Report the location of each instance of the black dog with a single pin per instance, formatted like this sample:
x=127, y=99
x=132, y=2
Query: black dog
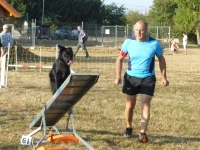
x=61, y=68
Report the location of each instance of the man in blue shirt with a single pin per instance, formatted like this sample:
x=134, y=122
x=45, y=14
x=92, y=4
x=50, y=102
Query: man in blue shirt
x=5, y=38
x=81, y=41
x=140, y=75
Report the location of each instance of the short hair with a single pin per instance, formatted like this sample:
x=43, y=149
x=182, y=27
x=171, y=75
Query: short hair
x=5, y=26
x=142, y=21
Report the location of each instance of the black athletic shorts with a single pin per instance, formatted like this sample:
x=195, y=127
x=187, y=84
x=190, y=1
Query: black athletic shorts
x=133, y=85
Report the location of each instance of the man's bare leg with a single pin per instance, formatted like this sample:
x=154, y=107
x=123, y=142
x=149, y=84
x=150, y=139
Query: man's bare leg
x=145, y=111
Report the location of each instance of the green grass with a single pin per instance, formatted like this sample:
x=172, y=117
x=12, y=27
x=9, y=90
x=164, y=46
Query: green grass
x=99, y=115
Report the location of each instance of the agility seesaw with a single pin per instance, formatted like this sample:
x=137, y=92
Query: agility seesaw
x=69, y=93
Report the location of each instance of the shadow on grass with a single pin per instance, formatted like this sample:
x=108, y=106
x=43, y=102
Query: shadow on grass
x=172, y=139
x=14, y=147
x=161, y=140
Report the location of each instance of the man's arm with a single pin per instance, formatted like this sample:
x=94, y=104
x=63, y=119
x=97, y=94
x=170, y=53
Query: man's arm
x=83, y=34
x=162, y=65
x=118, y=66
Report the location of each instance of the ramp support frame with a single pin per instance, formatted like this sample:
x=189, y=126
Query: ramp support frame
x=44, y=128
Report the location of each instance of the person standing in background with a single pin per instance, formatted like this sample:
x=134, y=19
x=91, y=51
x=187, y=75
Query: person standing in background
x=6, y=38
x=185, y=39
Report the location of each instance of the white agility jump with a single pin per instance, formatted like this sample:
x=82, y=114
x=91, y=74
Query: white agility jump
x=5, y=65
x=70, y=92
x=30, y=66
x=4, y=69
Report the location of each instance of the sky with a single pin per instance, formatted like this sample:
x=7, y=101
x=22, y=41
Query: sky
x=140, y=5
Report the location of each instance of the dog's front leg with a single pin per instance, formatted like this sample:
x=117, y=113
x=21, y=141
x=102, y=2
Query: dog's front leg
x=58, y=79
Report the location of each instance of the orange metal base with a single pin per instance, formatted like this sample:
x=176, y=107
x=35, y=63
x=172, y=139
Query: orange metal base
x=51, y=148
x=60, y=138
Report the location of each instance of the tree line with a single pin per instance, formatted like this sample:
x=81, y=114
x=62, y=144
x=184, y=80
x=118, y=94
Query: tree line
x=90, y=11
x=180, y=15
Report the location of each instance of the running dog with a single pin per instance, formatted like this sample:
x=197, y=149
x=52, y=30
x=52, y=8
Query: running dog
x=61, y=68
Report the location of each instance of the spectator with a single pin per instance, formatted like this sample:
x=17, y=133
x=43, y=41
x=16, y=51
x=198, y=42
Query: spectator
x=185, y=39
x=174, y=47
x=6, y=38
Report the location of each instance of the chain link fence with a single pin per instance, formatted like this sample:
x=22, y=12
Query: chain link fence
x=98, y=35
x=160, y=33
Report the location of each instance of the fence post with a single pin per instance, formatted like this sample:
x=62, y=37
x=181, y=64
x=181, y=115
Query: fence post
x=3, y=64
x=8, y=57
x=16, y=47
x=102, y=35
x=116, y=36
x=40, y=59
x=33, y=33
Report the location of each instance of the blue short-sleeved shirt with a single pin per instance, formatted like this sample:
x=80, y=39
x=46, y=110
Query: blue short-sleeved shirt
x=6, y=38
x=141, y=62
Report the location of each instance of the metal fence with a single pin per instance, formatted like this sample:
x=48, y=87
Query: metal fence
x=112, y=36
x=160, y=33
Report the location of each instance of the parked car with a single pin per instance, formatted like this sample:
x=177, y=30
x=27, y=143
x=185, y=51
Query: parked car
x=61, y=35
x=74, y=35
x=44, y=32
x=40, y=32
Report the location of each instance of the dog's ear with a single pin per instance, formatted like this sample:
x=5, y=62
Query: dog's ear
x=60, y=47
x=69, y=49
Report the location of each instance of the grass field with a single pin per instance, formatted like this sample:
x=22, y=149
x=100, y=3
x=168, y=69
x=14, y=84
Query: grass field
x=99, y=115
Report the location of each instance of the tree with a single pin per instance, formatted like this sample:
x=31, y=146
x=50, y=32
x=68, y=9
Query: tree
x=114, y=15
x=162, y=12
x=187, y=17
x=133, y=16
x=61, y=12
x=184, y=18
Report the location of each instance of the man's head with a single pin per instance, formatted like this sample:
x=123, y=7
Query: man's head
x=140, y=30
x=5, y=28
x=184, y=33
x=79, y=28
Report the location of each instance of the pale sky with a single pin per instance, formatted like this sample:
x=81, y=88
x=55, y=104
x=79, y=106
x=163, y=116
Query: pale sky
x=140, y=5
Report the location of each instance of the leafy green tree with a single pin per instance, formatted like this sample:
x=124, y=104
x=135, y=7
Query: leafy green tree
x=67, y=11
x=23, y=6
x=184, y=18
x=187, y=17
x=133, y=16
x=114, y=15
x=162, y=12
